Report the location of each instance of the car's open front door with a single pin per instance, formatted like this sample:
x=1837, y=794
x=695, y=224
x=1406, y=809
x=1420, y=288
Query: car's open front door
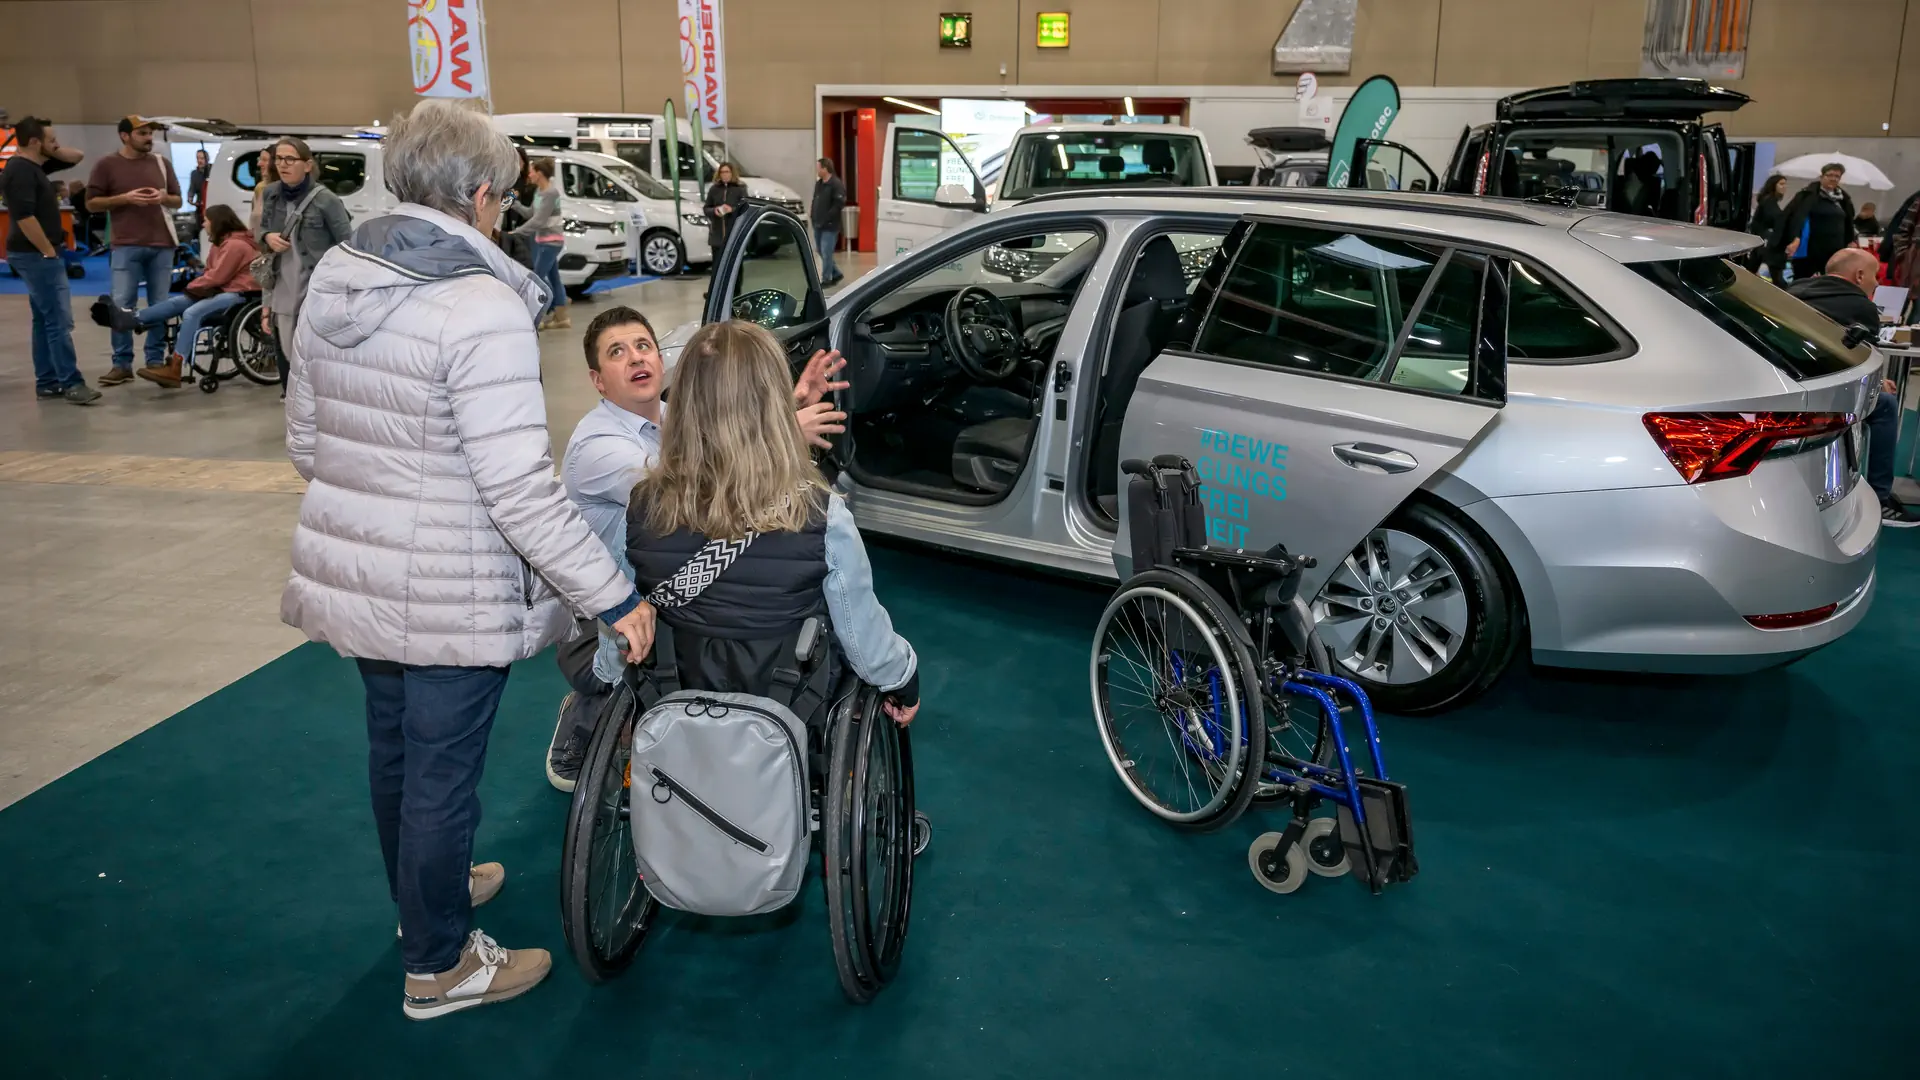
x=1314, y=399
x=928, y=187
x=1389, y=166
x=766, y=274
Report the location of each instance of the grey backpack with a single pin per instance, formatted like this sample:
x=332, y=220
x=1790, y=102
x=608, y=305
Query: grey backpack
x=724, y=827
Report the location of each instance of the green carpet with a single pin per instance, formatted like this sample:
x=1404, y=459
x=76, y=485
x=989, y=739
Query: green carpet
x=1620, y=877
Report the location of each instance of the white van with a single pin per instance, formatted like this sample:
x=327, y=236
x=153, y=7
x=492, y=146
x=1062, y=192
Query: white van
x=353, y=167
x=932, y=187
x=639, y=140
x=659, y=242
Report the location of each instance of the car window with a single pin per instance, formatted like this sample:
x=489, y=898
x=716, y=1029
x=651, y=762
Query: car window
x=1316, y=300
x=1769, y=320
x=341, y=173
x=1061, y=160
x=1544, y=322
x=1019, y=258
x=923, y=162
x=583, y=182
x=641, y=182
x=1632, y=172
x=1438, y=353
x=244, y=176
x=773, y=283
x=637, y=154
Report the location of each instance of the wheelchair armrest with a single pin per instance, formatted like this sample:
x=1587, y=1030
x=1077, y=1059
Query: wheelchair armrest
x=807, y=645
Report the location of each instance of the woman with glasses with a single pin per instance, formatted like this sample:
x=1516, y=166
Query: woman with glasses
x=300, y=221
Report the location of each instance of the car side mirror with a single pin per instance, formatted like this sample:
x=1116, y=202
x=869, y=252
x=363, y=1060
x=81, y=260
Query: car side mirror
x=959, y=197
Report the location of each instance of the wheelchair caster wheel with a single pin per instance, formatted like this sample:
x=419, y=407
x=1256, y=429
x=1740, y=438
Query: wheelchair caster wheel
x=1326, y=855
x=208, y=384
x=1275, y=870
x=922, y=833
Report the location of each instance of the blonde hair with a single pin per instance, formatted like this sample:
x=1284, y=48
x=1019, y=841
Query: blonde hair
x=732, y=459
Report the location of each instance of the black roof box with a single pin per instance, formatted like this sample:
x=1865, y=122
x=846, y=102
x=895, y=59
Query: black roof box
x=1624, y=99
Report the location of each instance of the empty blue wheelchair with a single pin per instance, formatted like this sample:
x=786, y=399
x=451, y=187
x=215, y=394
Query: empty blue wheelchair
x=1212, y=694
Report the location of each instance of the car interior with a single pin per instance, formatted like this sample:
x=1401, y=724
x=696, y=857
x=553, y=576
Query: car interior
x=949, y=373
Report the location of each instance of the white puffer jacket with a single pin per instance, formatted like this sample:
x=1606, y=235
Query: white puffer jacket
x=433, y=530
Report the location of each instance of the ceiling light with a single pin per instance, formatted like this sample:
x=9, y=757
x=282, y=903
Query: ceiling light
x=911, y=105
x=1129, y=101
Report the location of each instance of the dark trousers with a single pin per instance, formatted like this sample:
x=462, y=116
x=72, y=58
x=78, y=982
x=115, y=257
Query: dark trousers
x=1883, y=434
x=576, y=666
x=427, y=731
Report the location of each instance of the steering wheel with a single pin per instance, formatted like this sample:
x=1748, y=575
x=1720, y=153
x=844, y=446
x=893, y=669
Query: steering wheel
x=986, y=343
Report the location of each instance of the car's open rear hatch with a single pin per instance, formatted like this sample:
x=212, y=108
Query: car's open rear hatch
x=1629, y=239
x=1621, y=99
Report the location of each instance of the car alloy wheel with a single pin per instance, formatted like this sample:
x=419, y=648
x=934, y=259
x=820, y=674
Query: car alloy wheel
x=1394, y=612
x=660, y=254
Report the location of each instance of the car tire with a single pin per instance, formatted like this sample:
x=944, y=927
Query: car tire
x=661, y=254
x=1490, y=632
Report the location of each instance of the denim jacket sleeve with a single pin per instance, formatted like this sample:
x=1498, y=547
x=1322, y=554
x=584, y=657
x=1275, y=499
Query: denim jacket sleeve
x=865, y=632
x=607, y=665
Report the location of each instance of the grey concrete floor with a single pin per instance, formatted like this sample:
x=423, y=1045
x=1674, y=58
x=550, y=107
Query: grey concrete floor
x=134, y=586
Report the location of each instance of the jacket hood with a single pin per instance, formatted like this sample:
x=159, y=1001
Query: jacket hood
x=361, y=282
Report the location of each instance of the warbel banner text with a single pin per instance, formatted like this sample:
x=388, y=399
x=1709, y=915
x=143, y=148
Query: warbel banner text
x=447, y=42
x=703, y=61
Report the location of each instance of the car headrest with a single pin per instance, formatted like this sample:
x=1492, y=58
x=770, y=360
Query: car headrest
x=1156, y=276
x=1157, y=154
x=1112, y=163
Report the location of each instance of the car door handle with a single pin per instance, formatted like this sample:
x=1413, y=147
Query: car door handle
x=1365, y=456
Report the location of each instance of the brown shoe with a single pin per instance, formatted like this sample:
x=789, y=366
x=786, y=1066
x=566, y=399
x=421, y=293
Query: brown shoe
x=167, y=374
x=485, y=973
x=562, y=318
x=114, y=377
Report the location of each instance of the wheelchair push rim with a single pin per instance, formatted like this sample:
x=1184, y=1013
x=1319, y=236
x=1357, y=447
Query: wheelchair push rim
x=605, y=908
x=253, y=351
x=867, y=851
x=1170, y=687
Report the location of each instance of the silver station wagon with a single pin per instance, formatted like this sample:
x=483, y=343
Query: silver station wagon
x=1497, y=425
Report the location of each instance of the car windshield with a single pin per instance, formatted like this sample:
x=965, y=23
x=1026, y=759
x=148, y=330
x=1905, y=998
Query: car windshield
x=717, y=153
x=1792, y=336
x=641, y=182
x=1060, y=160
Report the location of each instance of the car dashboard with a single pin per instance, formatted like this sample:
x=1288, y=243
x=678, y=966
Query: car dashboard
x=900, y=351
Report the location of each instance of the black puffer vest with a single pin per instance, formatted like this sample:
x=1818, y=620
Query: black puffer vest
x=734, y=633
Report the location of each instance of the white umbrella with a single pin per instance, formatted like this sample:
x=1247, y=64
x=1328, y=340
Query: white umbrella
x=1860, y=171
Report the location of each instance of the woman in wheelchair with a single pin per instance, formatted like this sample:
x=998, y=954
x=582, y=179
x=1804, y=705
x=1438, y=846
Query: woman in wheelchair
x=226, y=283
x=742, y=550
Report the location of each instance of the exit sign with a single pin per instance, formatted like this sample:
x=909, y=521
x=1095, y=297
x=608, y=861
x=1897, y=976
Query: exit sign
x=956, y=29
x=1052, y=30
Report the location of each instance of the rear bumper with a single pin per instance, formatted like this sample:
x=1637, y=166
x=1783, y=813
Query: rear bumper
x=1662, y=579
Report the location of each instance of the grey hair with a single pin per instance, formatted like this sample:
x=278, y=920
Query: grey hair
x=441, y=153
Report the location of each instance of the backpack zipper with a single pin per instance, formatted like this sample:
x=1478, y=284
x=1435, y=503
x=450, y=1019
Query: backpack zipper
x=739, y=835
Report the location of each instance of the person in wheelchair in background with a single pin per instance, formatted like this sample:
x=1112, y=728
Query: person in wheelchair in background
x=225, y=284
x=734, y=465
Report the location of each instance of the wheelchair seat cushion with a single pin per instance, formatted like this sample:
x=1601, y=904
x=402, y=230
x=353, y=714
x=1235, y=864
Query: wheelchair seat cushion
x=987, y=457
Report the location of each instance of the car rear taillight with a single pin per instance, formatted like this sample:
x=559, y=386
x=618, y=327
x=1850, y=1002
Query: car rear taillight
x=1480, y=174
x=1794, y=619
x=1716, y=446
x=1700, y=211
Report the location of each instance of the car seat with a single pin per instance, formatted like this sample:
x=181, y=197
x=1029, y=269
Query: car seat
x=1157, y=155
x=1149, y=315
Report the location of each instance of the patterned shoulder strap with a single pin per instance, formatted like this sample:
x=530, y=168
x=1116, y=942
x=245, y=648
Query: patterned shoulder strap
x=692, y=579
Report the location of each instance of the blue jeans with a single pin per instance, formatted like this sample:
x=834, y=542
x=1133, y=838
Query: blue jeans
x=193, y=314
x=55, y=366
x=546, y=267
x=427, y=731
x=133, y=266
x=1883, y=436
x=824, y=241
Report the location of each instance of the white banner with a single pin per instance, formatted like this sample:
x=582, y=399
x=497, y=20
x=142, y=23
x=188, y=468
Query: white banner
x=448, y=44
x=702, y=62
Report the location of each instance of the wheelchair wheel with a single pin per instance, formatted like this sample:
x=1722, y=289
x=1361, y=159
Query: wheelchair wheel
x=1176, y=695
x=605, y=911
x=252, y=350
x=867, y=859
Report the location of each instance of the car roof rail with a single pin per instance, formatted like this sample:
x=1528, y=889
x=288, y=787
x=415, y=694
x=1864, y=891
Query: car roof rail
x=1455, y=205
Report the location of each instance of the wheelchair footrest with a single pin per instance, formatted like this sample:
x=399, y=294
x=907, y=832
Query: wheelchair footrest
x=1385, y=855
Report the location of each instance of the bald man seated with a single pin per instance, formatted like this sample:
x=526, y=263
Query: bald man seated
x=1845, y=294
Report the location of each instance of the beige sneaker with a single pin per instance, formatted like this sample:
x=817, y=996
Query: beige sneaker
x=483, y=884
x=485, y=974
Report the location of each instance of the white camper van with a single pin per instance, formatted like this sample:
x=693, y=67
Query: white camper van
x=639, y=139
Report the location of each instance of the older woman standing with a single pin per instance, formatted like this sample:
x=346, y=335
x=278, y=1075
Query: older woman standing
x=435, y=546
x=300, y=220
